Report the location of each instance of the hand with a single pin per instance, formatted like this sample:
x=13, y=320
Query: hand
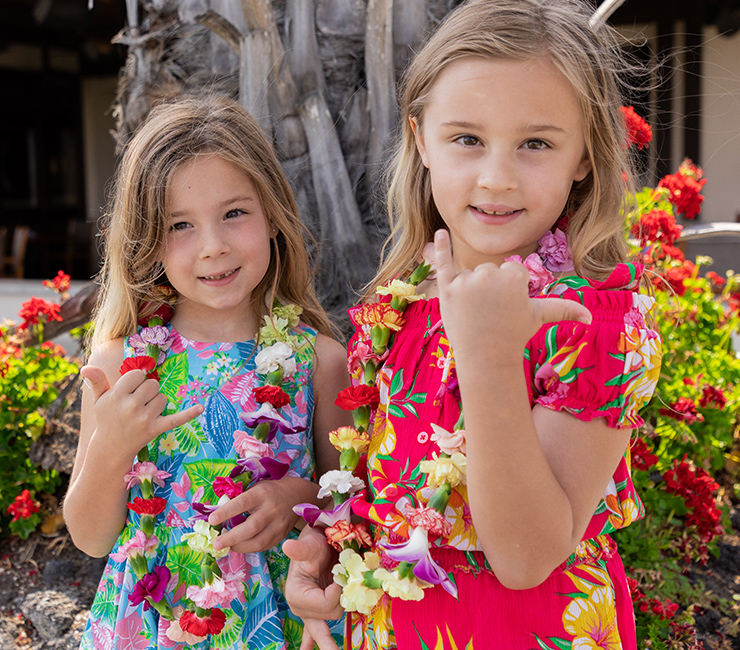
x=271, y=517
x=489, y=307
x=310, y=588
x=130, y=412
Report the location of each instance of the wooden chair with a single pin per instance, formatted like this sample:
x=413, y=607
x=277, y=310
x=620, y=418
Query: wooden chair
x=17, y=255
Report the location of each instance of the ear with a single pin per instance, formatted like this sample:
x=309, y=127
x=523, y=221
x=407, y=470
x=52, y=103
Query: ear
x=583, y=169
x=419, y=138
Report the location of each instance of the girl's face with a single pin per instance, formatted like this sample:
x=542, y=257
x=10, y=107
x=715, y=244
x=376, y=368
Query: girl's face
x=217, y=247
x=503, y=142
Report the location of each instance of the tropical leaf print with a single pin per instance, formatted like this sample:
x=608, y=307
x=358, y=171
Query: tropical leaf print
x=557, y=643
x=183, y=560
x=128, y=633
x=293, y=632
x=221, y=420
x=173, y=373
x=230, y=633
x=440, y=642
x=400, y=408
x=265, y=627
x=202, y=473
x=105, y=606
x=190, y=437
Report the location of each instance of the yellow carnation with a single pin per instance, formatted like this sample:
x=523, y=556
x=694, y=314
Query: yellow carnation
x=445, y=469
x=396, y=587
x=401, y=290
x=350, y=438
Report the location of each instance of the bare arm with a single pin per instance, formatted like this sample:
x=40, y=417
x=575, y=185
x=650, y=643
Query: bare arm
x=535, y=476
x=119, y=416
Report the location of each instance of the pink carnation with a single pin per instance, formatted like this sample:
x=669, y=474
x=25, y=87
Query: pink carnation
x=139, y=544
x=217, y=594
x=539, y=276
x=145, y=471
x=555, y=252
x=449, y=441
x=429, y=519
x=247, y=445
x=225, y=485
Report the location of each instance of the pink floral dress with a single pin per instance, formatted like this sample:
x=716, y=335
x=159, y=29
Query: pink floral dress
x=606, y=369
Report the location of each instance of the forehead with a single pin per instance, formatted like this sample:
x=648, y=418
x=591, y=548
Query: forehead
x=532, y=89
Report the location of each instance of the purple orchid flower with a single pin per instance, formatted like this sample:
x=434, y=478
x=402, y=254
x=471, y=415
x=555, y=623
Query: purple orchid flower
x=267, y=414
x=203, y=510
x=313, y=514
x=261, y=468
x=416, y=551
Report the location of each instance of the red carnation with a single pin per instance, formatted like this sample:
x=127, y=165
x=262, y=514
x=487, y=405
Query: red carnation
x=152, y=506
x=275, y=395
x=356, y=396
x=639, y=132
x=213, y=623
x=147, y=364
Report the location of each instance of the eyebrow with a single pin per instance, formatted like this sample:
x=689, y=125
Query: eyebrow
x=530, y=128
x=223, y=204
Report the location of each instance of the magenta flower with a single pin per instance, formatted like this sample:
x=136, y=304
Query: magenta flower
x=313, y=514
x=146, y=471
x=539, y=276
x=260, y=468
x=416, y=552
x=224, y=485
x=267, y=414
x=203, y=511
x=554, y=251
x=152, y=585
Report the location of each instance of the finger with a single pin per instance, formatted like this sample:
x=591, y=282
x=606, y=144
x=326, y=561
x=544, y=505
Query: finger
x=96, y=379
x=443, y=257
x=298, y=550
x=318, y=632
x=245, y=502
x=167, y=422
x=551, y=310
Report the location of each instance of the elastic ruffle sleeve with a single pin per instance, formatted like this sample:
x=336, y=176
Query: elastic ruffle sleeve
x=608, y=368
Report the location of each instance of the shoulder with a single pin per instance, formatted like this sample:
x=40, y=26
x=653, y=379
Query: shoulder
x=108, y=356
x=329, y=353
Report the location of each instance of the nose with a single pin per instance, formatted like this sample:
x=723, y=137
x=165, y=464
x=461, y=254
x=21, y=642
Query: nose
x=498, y=172
x=213, y=242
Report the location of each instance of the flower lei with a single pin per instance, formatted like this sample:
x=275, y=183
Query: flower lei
x=366, y=578
x=202, y=613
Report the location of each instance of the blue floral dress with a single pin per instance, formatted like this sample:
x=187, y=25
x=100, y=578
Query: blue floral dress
x=222, y=377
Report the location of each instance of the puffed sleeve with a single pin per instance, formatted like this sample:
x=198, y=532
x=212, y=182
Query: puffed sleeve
x=608, y=368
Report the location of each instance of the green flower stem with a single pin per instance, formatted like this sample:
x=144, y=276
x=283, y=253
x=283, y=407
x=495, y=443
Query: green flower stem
x=379, y=337
x=460, y=424
x=202, y=613
x=275, y=378
x=138, y=565
x=147, y=489
x=152, y=351
x=361, y=417
x=143, y=455
x=245, y=478
x=406, y=570
x=154, y=321
x=339, y=498
x=147, y=524
x=440, y=498
x=206, y=570
x=370, y=371
x=261, y=431
x=348, y=459
x=163, y=608
x=370, y=581
x=399, y=304
x=420, y=273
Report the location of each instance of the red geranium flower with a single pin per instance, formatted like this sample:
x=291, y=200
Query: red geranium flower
x=712, y=396
x=152, y=506
x=684, y=189
x=639, y=132
x=683, y=409
x=23, y=506
x=213, y=622
x=147, y=364
x=60, y=283
x=657, y=225
x=356, y=396
x=37, y=310
x=275, y=395
x=642, y=458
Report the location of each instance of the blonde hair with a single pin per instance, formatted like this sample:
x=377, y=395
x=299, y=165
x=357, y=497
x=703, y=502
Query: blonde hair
x=174, y=133
x=590, y=58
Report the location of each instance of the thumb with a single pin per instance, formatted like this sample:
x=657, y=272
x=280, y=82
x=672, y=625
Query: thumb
x=298, y=550
x=96, y=380
x=550, y=311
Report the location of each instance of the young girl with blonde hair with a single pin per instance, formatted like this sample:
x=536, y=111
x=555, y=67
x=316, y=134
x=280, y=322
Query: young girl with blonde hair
x=199, y=427
x=512, y=160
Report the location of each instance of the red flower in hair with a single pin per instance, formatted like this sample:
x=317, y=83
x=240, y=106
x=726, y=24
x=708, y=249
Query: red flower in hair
x=212, y=623
x=356, y=396
x=275, y=395
x=147, y=364
x=639, y=132
x=152, y=506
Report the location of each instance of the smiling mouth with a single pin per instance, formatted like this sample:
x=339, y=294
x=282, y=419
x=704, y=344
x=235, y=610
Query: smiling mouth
x=495, y=213
x=218, y=277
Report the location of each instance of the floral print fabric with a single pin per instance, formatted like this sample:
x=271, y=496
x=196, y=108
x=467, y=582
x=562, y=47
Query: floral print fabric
x=607, y=369
x=222, y=377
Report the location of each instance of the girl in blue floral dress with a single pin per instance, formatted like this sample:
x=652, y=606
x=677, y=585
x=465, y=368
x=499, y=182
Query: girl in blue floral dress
x=203, y=426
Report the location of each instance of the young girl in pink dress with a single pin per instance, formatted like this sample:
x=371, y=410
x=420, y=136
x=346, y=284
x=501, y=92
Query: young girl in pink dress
x=512, y=160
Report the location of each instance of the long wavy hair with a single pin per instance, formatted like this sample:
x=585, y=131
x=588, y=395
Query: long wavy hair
x=135, y=227
x=518, y=30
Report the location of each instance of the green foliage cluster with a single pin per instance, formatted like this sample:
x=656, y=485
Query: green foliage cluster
x=29, y=371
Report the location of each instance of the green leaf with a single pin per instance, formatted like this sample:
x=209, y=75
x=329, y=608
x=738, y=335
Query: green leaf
x=184, y=561
x=202, y=473
x=173, y=374
x=230, y=632
x=396, y=411
x=397, y=382
x=190, y=436
x=411, y=409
